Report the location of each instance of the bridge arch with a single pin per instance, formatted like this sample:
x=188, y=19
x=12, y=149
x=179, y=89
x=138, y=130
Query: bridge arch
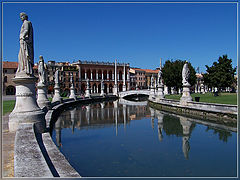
x=133, y=92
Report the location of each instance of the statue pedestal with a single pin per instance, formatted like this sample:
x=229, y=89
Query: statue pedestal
x=160, y=94
x=115, y=90
x=124, y=88
x=72, y=93
x=185, y=95
x=152, y=94
x=42, y=99
x=26, y=109
x=87, y=94
x=102, y=92
x=57, y=96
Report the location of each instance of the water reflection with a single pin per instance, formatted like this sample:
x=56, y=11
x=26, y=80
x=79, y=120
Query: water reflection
x=179, y=126
x=116, y=113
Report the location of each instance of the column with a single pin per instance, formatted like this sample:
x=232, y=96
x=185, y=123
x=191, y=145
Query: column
x=107, y=75
x=97, y=74
x=128, y=80
x=79, y=79
x=115, y=91
x=85, y=75
x=124, y=79
x=91, y=75
x=102, y=74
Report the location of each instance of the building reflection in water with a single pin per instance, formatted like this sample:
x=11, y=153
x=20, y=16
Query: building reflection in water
x=119, y=113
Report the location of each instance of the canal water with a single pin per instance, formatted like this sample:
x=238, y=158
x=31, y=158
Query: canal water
x=128, y=139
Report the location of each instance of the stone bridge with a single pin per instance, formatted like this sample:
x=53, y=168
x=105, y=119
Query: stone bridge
x=134, y=92
x=132, y=103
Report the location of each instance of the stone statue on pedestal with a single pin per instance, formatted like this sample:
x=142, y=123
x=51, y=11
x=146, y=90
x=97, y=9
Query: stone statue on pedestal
x=42, y=71
x=160, y=77
x=57, y=97
x=152, y=82
x=72, y=89
x=56, y=75
x=185, y=74
x=26, y=109
x=26, y=52
x=42, y=99
x=186, y=97
x=102, y=89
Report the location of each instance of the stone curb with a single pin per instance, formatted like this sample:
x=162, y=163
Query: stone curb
x=28, y=158
x=218, y=113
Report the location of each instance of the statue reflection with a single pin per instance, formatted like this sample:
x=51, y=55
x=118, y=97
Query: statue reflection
x=186, y=125
x=88, y=114
x=72, y=115
x=160, y=124
x=152, y=116
x=102, y=110
x=58, y=129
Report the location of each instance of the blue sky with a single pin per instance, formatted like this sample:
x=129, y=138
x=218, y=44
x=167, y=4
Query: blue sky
x=138, y=33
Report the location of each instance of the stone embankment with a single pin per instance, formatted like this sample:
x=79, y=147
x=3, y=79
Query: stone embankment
x=217, y=113
x=35, y=154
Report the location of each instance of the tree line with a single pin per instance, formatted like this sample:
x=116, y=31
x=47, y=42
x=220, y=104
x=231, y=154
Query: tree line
x=220, y=75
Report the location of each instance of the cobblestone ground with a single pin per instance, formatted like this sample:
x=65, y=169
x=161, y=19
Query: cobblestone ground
x=7, y=149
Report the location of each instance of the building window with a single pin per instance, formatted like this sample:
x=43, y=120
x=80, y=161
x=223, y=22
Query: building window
x=5, y=79
x=5, y=70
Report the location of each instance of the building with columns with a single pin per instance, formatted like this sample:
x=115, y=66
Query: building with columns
x=110, y=73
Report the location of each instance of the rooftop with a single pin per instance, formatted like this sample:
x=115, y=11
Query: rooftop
x=9, y=65
x=100, y=63
x=13, y=65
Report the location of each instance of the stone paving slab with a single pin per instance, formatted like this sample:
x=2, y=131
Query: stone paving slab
x=8, y=139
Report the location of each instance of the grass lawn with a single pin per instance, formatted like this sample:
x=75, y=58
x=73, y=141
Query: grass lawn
x=223, y=98
x=8, y=106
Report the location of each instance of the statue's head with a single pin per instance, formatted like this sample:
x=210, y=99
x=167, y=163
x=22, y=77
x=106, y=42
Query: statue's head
x=41, y=59
x=23, y=16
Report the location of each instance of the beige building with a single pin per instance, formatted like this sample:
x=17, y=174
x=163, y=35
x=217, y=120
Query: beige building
x=8, y=73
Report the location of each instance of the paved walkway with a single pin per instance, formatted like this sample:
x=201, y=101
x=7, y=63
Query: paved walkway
x=7, y=148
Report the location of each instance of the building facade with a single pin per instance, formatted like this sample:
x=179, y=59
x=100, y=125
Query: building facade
x=141, y=78
x=81, y=71
x=8, y=73
x=102, y=71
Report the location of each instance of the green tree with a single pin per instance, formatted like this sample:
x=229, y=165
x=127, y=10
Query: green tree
x=220, y=74
x=172, y=73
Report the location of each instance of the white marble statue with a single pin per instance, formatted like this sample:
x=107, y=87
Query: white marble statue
x=71, y=79
x=160, y=76
x=42, y=71
x=26, y=52
x=185, y=74
x=152, y=82
x=57, y=76
x=88, y=84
